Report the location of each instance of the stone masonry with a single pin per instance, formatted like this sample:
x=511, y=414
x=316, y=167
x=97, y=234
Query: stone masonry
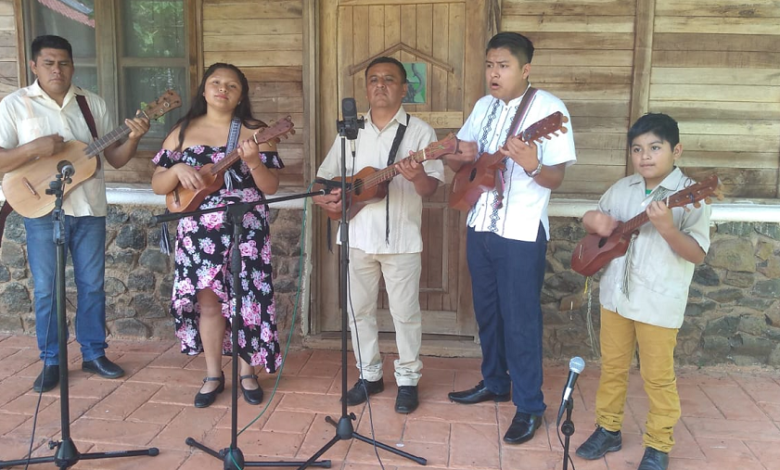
x=733, y=314
x=139, y=277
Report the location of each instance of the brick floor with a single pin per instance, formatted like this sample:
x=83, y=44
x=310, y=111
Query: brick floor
x=731, y=416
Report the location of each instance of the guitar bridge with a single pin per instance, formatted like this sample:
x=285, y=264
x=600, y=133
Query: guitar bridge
x=31, y=188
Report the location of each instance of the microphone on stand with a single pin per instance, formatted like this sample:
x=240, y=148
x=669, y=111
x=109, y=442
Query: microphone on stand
x=351, y=123
x=576, y=366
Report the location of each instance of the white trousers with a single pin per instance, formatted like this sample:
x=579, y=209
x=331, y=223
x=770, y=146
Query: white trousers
x=402, y=280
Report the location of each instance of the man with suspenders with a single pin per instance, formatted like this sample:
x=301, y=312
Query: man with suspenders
x=384, y=237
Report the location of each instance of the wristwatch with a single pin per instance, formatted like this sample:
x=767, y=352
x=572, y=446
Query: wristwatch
x=536, y=171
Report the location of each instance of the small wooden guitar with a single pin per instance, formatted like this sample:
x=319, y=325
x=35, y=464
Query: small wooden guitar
x=473, y=179
x=25, y=187
x=182, y=199
x=594, y=251
x=370, y=185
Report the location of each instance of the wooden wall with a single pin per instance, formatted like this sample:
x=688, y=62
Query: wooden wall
x=265, y=40
x=712, y=65
x=9, y=68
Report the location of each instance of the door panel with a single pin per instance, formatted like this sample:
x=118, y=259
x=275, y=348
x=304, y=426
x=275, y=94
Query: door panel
x=433, y=35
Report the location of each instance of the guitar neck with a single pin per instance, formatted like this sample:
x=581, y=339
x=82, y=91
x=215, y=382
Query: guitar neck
x=98, y=145
x=386, y=174
x=226, y=162
x=633, y=224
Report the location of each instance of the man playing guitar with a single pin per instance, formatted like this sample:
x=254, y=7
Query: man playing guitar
x=385, y=236
x=35, y=122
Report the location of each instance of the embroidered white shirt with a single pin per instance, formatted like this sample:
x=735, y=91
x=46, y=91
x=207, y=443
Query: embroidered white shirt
x=524, y=202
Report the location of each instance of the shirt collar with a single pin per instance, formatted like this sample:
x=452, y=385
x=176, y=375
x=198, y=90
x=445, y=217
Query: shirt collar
x=35, y=90
x=671, y=182
x=516, y=101
x=400, y=118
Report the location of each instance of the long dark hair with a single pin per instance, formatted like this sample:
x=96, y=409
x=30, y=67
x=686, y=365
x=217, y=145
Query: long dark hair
x=199, y=106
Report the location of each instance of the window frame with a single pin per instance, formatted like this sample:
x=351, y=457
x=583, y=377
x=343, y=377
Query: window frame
x=109, y=59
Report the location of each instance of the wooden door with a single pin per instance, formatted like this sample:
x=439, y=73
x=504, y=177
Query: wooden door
x=443, y=43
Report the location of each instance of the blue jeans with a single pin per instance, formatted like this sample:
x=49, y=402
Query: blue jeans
x=85, y=237
x=506, y=281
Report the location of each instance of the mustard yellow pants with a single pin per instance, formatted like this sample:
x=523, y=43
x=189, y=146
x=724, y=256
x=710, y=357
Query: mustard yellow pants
x=619, y=337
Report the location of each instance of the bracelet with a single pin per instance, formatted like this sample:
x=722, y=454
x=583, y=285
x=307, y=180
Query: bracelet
x=255, y=168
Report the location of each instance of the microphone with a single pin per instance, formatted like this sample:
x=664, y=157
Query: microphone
x=351, y=123
x=576, y=365
x=66, y=169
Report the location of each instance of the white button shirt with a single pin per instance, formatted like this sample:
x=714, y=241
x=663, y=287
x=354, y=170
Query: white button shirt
x=367, y=228
x=659, y=278
x=525, y=202
x=29, y=113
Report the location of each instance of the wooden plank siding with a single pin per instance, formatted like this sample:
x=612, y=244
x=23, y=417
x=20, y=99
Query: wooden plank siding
x=584, y=54
x=712, y=65
x=265, y=40
x=9, y=66
x=716, y=67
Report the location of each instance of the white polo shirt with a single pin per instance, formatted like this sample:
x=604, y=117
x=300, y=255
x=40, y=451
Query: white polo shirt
x=367, y=228
x=525, y=202
x=29, y=113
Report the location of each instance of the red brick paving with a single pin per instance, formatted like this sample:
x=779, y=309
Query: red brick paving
x=731, y=417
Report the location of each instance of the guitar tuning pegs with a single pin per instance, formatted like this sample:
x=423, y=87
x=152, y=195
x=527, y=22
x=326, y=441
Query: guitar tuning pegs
x=292, y=131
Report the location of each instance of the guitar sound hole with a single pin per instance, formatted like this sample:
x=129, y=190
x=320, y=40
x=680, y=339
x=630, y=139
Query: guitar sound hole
x=358, y=187
x=602, y=242
x=473, y=174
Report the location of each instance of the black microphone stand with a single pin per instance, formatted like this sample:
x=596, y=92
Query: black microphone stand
x=66, y=455
x=232, y=457
x=344, y=430
x=567, y=428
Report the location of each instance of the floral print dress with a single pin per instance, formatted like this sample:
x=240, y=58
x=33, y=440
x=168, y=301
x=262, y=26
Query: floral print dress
x=202, y=255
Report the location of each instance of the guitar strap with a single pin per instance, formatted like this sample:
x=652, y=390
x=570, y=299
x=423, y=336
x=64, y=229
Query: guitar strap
x=520, y=114
x=82, y=101
x=399, y=136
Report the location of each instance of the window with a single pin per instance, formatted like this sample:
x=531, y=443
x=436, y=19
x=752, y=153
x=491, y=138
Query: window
x=127, y=51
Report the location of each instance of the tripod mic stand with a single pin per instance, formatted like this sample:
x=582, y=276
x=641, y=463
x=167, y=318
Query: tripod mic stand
x=348, y=129
x=232, y=457
x=66, y=455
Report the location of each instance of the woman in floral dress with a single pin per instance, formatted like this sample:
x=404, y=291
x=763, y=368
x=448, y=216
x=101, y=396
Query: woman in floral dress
x=203, y=294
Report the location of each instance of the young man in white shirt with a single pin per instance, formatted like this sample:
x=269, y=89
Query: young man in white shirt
x=508, y=231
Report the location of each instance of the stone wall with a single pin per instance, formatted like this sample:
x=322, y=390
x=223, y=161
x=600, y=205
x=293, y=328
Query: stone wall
x=733, y=313
x=139, y=278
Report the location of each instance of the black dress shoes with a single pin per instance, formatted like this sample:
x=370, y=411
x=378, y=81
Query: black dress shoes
x=203, y=400
x=599, y=443
x=522, y=429
x=654, y=460
x=362, y=389
x=477, y=394
x=406, y=401
x=103, y=367
x=47, y=379
x=252, y=396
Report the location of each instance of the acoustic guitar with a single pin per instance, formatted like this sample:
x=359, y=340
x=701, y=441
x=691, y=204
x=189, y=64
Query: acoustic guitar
x=473, y=179
x=25, y=187
x=370, y=185
x=594, y=251
x=182, y=199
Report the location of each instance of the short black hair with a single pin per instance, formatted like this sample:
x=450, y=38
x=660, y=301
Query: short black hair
x=49, y=41
x=520, y=46
x=388, y=60
x=662, y=125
